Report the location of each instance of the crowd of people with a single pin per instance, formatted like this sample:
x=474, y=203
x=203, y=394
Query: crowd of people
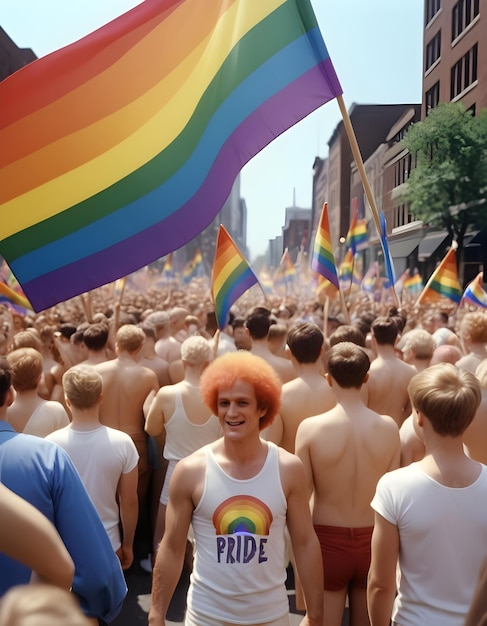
x=349, y=446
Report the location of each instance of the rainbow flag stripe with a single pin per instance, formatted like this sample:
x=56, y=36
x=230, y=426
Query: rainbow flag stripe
x=323, y=260
x=474, y=293
x=231, y=276
x=443, y=283
x=121, y=147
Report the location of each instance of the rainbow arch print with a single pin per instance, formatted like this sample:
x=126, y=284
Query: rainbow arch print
x=242, y=514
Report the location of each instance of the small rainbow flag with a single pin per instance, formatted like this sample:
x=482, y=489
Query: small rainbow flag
x=323, y=260
x=123, y=146
x=231, y=276
x=414, y=284
x=345, y=270
x=357, y=233
x=9, y=296
x=168, y=268
x=474, y=292
x=193, y=268
x=370, y=279
x=443, y=283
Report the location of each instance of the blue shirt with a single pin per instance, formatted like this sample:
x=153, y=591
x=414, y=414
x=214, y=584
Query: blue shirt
x=42, y=473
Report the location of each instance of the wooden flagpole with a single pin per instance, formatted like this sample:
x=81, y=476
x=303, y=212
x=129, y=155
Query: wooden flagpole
x=361, y=169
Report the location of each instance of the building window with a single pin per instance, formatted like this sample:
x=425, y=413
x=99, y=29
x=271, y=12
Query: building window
x=432, y=97
x=464, y=72
x=463, y=12
x=401, y=216
x=433, y=50
x=432, y=8
x=402, y=170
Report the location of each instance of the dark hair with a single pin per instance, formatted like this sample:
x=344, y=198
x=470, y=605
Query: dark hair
x=5, y=379
x=95, y=336
x=384, y=330
x=348, y=364
x=349, y=333
x=258, y=322
x=305, y=341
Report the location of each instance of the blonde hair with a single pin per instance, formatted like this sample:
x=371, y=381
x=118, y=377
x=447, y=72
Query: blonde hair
x=420, y=342
x=130, y=338
x=82, y=386
x=41, y=605
x=27, y=367
x=448, y=397
x=474, y=326
x=196, y=350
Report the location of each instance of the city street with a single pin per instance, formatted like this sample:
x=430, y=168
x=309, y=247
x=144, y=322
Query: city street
x=137, y=602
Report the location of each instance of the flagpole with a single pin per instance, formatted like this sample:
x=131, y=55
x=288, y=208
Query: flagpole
x=361, y=169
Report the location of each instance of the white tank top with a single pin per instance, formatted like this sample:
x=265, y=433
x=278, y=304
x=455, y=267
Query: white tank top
x=183, y=437
x=239, y=570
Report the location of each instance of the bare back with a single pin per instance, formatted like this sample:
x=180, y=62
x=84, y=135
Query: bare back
x=475, y=437
x=344, y=456
x=387, y=387
x=126, y=385
x=302, y=398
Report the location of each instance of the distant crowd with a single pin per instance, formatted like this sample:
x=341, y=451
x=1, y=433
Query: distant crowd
x=348, y=444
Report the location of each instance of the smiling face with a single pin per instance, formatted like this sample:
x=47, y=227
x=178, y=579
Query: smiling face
x=238, y=410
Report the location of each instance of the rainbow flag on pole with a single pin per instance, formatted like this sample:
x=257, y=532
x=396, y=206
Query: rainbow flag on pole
x=443, y=283
x=357, y=233
x=123, y=146
x=231, y=276
x=474, y=292
x=323, y=260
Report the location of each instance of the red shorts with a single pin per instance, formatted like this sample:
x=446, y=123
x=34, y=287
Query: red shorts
x=346, y=556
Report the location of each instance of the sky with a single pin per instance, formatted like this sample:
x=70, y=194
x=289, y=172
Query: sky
x=376, y=47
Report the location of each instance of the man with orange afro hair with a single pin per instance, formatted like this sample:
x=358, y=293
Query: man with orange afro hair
x=239, y=493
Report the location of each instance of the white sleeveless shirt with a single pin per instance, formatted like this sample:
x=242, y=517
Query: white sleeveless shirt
x=239, y=570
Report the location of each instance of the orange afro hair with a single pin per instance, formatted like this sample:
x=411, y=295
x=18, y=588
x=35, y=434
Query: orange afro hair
x=233, y=366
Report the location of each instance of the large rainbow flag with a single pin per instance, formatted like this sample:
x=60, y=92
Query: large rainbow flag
x=121, y=147
x=231, y=276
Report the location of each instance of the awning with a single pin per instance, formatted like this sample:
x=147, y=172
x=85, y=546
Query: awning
x=430, y=243
x=402, y=248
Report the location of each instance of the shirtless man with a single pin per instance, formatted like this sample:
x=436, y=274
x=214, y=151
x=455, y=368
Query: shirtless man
x=95, y=338
x=149, y=358
x=344, y=452
x=309, y=393
x=167, y=348
x=258, y=324
x=389, y=376
x=239, y=493
x=126, y=385
x=29, y=413
x=417, y=347
x=473, y=334
x=179, y=420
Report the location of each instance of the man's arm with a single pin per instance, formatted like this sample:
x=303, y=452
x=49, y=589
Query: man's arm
x=306, y=547
x=129, y=513
x=381, y=589
x=29, y=537
x=154, y=424
x=302, y=452
x=170, y=555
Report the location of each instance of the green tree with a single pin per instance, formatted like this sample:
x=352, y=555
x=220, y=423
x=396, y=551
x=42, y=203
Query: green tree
x=448, y=186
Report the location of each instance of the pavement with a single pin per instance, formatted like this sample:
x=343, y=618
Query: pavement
x=136, y=606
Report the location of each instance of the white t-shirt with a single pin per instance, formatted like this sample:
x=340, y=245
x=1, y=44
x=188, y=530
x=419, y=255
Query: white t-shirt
x=101, y=456
x=443, y=541
x=46, y=418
